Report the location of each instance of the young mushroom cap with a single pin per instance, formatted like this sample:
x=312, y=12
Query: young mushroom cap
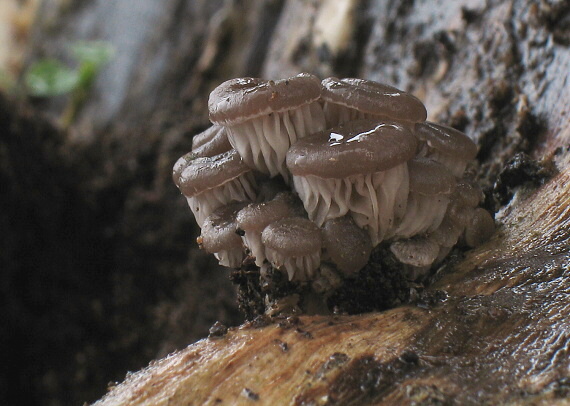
x=293, y=237
x=431, y=186
x=468, y=193
x=348, y=245
x=212, y=182
x=219, y=229
x=219, y=236
x=256, y=216
x=447, y=140
x=241, y=99
x=355, y=147
x=202, y=173
x=252, y=219
x=480, y=229
x=294, y=245
x=418, y=252
x=446, y=145
x=210, y=142
x=374, y=98
x=429, y=177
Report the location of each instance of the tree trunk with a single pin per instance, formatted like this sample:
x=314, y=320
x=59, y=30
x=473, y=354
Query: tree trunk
x=492, y=329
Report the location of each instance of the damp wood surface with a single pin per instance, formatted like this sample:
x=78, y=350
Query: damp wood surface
x=104, y=276
x=496, y=332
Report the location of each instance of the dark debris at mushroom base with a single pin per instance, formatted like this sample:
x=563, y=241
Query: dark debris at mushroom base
x=379, y=285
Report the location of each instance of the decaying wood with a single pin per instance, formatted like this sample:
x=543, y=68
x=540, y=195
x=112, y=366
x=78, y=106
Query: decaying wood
x=497, y=331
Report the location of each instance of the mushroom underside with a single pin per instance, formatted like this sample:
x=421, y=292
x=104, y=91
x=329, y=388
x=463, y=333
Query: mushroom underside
x=263, y=142
x=374, y=200
x=239, y=189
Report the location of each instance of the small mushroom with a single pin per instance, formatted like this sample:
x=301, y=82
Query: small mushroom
x=351, y=99
x=347, y=245
x=431, y=187
x=446, y=145
x=294, y=245
x=447, y=234
x=212, y=182
x=357, y=168
x=264, y=117
x=210, y=142
x=213, y=141
x=462, y=206
x=480, y=229
x=253, y=218
x=219, y=236
x=419, y=253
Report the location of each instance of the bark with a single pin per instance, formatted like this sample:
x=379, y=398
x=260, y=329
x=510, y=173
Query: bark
x=491, y=329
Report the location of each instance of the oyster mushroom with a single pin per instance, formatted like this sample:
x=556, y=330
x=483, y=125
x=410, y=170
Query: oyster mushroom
x=210, y=142
x=219, y=236
x=347, y=245
x=446, y=145
x=466, y=198
x=480, y=229
x=351, y=99
x=252, y=219
x=212, y=182
x=419, y=253
x=357, y=168
x=294, y=245
x=264, y=117
x=431, y=187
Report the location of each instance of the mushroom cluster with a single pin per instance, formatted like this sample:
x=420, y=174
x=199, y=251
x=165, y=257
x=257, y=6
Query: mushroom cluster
x=303, y=175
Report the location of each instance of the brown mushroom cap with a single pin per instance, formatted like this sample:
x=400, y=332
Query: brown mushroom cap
x=203, y=173
x=468, y=193
x=419, y=252
x=348, y=245
x=241, y=99
x=219, y=229
x=356, y=147
x=429, y=177
x=293, y=237
x=210, y=142
x=374, y=98
x=447, y=140
x=256, y=216
x=480, y=229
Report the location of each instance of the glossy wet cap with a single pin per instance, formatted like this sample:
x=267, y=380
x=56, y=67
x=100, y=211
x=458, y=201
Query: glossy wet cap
x=198, y=174
x=219, y=230
x=355, y=147
x=447, y=140
x=293, y=237
x=241, y=99
x=256, y=216
x=429, y=177
x=375, y=98
x=348, y=245
x=210, y=142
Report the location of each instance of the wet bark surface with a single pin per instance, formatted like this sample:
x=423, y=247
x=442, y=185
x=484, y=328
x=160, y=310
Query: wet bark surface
x=102, y=273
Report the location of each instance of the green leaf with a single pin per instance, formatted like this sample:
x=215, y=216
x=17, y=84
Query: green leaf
x=94, y=53
x=50, y=77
